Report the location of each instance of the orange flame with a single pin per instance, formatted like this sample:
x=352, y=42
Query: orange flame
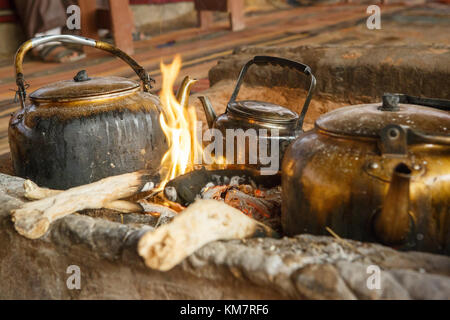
x=178, y=124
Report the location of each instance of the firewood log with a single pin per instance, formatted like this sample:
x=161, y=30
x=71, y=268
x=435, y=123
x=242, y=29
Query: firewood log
x=33, y=219
x=34, y=192
x=202, y=222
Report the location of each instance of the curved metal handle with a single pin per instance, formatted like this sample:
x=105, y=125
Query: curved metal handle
x=263, y=60
x=395, y=139
x=391, y=101
x=415, y=137
x=440, y=104
x=33, y=43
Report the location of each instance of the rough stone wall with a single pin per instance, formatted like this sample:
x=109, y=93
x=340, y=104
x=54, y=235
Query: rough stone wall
x=348, y=73
x=302, y=267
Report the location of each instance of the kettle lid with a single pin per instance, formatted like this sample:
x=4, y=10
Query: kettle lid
x=84, y=87
x=262, y=111
x=367, y=120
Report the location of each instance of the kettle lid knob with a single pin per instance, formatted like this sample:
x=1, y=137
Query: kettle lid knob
x=81, y=76
x=390, y=102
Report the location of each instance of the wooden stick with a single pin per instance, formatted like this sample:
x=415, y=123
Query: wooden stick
x=33, y=219
x=34, y=192
x=157, y=208
x=202, y=222
x=123, y=206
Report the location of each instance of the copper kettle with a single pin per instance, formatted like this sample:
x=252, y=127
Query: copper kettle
x=376, y=172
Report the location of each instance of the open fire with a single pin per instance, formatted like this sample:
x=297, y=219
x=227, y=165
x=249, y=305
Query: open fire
x=178, y=123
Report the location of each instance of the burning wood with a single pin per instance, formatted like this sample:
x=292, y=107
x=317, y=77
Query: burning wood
x=156, y=207
x=206, y=220
x=263, y=205
x=159, y=197
x=202, y=222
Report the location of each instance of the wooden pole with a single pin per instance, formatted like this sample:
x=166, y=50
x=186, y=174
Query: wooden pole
x=122, y=25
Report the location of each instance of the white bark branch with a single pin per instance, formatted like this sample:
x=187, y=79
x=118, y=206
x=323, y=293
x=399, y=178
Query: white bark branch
x=33, y=219
x=202, y=222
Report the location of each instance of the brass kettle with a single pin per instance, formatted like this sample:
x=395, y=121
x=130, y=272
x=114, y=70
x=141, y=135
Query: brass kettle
x=377, y=172
x=77, y=131
x=257, y=115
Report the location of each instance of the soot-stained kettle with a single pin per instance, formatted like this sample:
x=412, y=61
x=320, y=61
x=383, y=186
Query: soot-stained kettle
x=251, y=114
x=374, y=172
x=74, y=132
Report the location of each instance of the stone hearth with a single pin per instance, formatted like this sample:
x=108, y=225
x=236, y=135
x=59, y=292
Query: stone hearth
x=302, y=267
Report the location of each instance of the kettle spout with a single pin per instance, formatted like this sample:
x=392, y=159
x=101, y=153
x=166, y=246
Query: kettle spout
x=209, y=111
x=392, y=224
x=184, y=91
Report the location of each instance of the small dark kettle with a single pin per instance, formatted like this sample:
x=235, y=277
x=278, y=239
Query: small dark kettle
x=251, y=114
